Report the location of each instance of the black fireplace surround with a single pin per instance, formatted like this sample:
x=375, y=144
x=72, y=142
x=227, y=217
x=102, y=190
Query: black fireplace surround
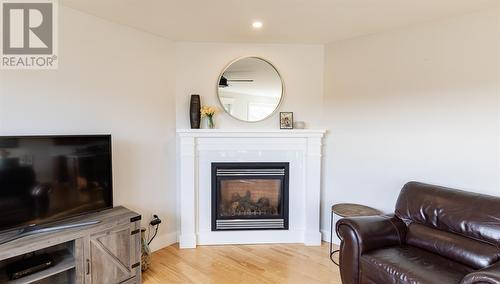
x=250, y=196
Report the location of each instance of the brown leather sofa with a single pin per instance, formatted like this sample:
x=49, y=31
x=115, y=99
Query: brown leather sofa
x=436, y=236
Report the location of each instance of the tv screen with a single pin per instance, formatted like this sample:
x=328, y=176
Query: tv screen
x=46, y=179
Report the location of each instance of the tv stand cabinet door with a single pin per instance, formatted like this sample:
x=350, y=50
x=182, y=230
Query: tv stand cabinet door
x=113, y=256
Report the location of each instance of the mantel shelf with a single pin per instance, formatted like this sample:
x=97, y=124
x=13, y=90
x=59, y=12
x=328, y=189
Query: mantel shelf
x=251, y=132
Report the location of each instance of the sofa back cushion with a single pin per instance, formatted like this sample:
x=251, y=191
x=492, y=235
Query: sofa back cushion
x=473, y=253
x=468, y=214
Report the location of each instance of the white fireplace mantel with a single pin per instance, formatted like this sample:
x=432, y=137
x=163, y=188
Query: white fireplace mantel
x=318, y=133
x=199, y=148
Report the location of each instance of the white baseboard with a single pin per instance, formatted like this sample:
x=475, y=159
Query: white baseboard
x=326, y=237
x=162, y=241
x=171, y=238
x=187, y=241
x=312, y=239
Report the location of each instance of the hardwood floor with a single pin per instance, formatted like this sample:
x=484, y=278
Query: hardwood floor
x=277, y=263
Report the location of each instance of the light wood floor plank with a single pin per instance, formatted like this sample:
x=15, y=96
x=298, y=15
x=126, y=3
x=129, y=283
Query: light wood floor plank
x=232, y=264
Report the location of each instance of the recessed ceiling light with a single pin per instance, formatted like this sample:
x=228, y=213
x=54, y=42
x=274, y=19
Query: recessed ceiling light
x=257, y=24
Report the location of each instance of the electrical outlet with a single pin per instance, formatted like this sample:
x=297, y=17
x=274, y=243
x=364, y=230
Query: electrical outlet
x=155, y=220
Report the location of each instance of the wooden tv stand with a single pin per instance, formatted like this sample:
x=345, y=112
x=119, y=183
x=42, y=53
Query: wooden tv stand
x=106, y=252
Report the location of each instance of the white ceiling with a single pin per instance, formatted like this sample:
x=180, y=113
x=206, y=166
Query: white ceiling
x=285, y=21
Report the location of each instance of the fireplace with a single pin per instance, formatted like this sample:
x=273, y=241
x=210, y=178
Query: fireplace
x=250, y=196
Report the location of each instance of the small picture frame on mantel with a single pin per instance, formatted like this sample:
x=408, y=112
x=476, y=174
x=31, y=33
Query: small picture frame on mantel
x=286, y=120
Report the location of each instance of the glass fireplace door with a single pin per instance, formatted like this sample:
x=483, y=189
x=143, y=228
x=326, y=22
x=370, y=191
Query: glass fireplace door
x=249, y=198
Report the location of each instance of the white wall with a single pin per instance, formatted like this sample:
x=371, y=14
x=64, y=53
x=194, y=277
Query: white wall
x=419, y=103
x=301, y=66
x=111, y=79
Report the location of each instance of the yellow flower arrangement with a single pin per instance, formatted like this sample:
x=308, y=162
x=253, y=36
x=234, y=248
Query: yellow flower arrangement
x=208, y=111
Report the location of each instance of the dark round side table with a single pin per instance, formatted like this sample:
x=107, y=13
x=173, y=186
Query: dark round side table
x=348, y=210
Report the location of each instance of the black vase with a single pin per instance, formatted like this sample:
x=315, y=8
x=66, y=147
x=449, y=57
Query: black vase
x=194, y=112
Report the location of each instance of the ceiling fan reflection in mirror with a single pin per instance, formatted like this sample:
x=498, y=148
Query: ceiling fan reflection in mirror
x=223, y=83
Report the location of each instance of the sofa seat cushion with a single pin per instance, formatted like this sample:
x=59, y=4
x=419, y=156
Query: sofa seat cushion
x=407, y=264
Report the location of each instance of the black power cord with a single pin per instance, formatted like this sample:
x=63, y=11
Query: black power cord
x=154, y=223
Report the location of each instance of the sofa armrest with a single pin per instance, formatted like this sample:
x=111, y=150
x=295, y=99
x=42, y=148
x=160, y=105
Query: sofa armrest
x=488, y=275
x=361, y=234
x=372, y=232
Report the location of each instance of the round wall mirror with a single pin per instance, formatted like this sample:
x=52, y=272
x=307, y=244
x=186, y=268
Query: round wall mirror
x=250, y=89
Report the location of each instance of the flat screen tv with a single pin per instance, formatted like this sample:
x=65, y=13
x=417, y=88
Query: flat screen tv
x=44, y=179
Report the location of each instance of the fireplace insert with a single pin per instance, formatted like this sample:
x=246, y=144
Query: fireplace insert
x=250, y=196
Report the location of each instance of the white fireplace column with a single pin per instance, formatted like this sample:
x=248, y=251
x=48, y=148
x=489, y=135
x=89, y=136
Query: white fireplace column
x=187, y=183
x=201, y=147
